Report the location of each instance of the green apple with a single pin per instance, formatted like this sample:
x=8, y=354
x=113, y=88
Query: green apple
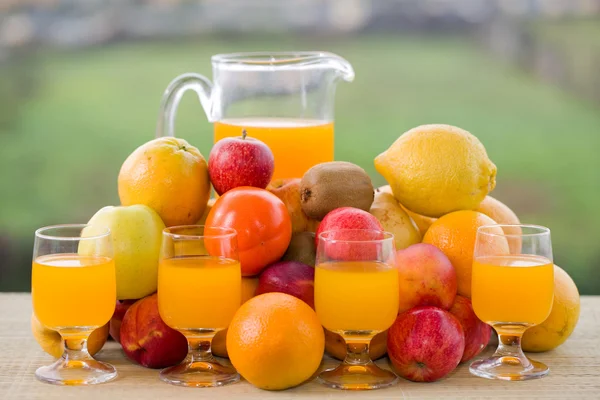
x=136, y=233
x=395, y=220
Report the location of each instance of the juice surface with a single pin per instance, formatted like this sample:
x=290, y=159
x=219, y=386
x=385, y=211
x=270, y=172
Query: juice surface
x=199, y=291
x=356, y=295
x=513, y=288
x=297, y=144
x=69, y=290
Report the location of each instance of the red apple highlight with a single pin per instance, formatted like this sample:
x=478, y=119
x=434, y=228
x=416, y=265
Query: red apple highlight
x=115, y=322
x=477, y=332
x=147, y=340
x=240, y=161
x=354, y=225
x=425, y=344
x=427, y=277
x=290, y=277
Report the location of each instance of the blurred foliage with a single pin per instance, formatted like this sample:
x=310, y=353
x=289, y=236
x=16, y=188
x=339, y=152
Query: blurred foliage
x=91, y=108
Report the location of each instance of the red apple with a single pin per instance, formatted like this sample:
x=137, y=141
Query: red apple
x=425, y=344
x=427, y=277
x=289, y=277
x=115, y=322
x=353, y=225
x=477, y=332
x=147, y=340
x=240, y=161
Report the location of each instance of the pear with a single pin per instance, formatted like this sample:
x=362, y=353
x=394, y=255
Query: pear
x=395, y=219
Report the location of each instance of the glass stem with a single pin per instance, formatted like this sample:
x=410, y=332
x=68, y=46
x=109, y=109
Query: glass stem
x=199, y=348
x=509, y=345
x=75, y=346
x=357, y=353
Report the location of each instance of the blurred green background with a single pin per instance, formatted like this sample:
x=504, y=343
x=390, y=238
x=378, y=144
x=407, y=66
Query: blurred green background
x=525, y=81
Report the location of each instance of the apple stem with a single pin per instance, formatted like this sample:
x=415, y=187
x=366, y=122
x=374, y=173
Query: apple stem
x=244, y=134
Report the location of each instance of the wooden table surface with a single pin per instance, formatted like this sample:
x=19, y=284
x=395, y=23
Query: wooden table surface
x=574, y=371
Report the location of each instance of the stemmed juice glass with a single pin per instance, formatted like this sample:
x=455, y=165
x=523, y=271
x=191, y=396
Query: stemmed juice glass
x=356, y=296
x=74, y=291
x=512, y=291
x=199, y=291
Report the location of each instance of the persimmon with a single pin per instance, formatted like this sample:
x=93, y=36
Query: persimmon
x=262, y=222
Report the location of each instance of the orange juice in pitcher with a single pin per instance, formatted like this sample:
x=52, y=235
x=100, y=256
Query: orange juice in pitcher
x=284, y=99
x=293, y=157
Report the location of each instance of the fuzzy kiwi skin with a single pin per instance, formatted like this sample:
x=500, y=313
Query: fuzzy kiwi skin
x=335, y=184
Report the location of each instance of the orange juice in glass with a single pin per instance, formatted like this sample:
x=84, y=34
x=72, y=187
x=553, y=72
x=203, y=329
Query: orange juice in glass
x=512, y=291
x=357, y=296
x=74, y=291
x=90, y=279
x=199, y=291
x=524, y=283
x=375, y=309
x=285, y=99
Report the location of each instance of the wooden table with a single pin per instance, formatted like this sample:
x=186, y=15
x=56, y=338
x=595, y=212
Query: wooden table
x=575, y=371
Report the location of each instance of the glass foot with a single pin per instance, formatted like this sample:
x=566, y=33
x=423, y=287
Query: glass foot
x=76, y=372
x=508, y=368
x=208, y=373
x=357, y=377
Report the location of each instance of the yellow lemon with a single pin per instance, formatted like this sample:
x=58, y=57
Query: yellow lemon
x=562, y=319
x=436, y=169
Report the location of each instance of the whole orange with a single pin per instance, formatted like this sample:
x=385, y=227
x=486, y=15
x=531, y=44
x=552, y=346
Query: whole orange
x=275, y=341
x=500, y=213
x=262, y=222
x=168, y=175
x=561, y=322
x=455, y=235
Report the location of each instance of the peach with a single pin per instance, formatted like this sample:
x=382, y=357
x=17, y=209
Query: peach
x=147, y=340
x=427, y=277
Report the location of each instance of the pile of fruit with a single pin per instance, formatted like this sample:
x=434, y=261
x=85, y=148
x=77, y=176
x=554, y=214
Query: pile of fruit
x=439, y=178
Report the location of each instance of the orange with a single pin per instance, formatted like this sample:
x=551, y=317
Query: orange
x=500, y=213
x=275, y=341
x=455, y=235
x=219, y=347
x=168, y=175
x=335, y=345
x=562, y=319
x=262, y=222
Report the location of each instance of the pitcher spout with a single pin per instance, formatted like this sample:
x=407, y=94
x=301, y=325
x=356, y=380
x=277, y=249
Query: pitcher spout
x=340, y=65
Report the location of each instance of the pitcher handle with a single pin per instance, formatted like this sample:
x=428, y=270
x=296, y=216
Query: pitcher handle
x=172, y=96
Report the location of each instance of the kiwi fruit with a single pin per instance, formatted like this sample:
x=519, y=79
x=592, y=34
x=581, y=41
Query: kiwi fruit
x=301, y=248
x=332, y=185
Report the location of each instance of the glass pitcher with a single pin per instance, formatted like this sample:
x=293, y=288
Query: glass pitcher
x=285, y=99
